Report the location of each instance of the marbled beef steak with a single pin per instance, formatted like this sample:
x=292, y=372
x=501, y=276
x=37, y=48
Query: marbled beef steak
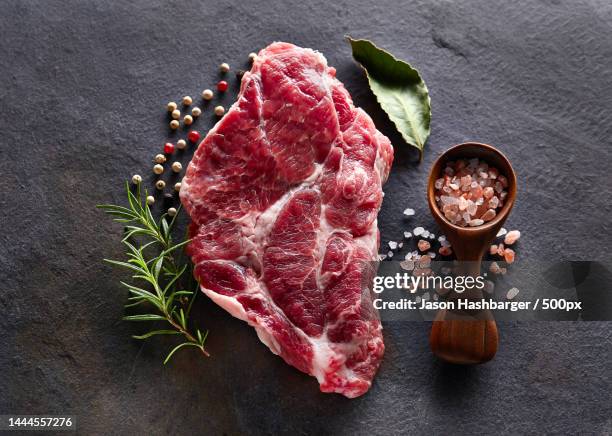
x=283, y=194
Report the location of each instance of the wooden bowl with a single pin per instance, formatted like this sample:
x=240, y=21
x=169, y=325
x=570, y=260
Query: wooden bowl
x=463, y=337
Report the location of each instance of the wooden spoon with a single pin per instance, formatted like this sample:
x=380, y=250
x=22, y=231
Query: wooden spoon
x=459, y=336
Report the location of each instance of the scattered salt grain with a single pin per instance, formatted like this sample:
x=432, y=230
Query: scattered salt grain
x=418, y=231
x=407, y=235
x=500, y=249
x=392, y=245
x=501, y=232
x=409, y=212
x=424, y=261
x=407, y=265
x=512, y=237
x=425, y=234
x=422, y=272
x=382, y=256
x=400, y=245
x=390, y=254
x=513, y=292
x=493, y=250
x=509, y=255
x=494, y=268
x=445, y=251
x=424, y=245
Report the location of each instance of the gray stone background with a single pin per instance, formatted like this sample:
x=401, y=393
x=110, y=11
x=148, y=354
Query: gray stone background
x=84, y=85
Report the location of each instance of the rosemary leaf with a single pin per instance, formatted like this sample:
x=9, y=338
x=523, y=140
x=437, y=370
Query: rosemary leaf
x=160, y=273
x=156, y=332
x=144, y=317
x=178, y=347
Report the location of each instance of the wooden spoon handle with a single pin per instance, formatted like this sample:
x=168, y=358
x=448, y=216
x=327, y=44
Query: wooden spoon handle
x=465, y=342
x=458, y=337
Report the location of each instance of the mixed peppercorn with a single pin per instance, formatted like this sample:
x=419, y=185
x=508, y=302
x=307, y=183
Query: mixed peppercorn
x=193, y=136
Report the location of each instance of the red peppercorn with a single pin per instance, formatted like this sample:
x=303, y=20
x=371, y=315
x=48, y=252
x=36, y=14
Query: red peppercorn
x=168, y=148
x=222, y=86
x=193, y=136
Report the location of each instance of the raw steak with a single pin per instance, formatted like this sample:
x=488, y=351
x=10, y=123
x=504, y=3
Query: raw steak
x=283, y=194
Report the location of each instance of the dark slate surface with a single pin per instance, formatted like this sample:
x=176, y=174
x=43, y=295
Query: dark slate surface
x=83, y=90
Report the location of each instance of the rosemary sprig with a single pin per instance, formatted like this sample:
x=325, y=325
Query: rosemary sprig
x=160, y=273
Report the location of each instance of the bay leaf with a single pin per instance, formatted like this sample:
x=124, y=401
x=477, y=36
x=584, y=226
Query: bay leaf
x=399, y=89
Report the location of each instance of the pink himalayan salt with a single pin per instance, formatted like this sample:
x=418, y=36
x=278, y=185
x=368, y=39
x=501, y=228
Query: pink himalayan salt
x=476, y=192
x=509, y=255
x=469, y=192
x=445, y=251
x=488, y=215
x=424, y=245
x=512, y=236
x=424, y=261
x=421, y=272
x=494, y=268
x=471, y=207
x=407, y=265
